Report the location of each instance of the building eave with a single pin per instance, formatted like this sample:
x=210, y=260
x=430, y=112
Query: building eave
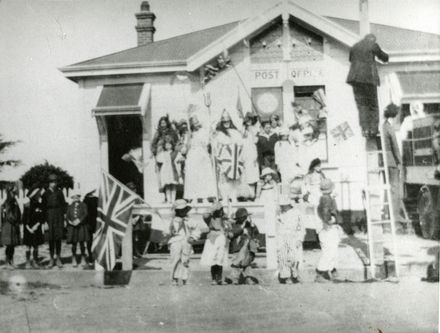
x=75, y=73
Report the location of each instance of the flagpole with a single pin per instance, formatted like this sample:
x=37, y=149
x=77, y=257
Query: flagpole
x=207, y=101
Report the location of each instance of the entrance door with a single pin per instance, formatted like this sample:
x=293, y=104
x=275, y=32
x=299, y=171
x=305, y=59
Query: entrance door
x=124, y=134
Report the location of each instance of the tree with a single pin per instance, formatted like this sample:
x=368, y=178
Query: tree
x=4, y=145
x=39, y=174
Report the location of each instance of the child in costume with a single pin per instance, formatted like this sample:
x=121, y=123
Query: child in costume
x=77, y=230
x=216, y=248
x=33, y=220
x=183, y=233
x=330, y=235
x=290, y=235
x=267, y=194
x=169, y=161
x=244, y=246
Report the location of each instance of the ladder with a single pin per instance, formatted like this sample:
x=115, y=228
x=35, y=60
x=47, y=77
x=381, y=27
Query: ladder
x=380, y=213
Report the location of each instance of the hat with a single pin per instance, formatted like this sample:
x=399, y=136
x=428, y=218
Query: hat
x=181, y=204
x=250, y=115
x=225, y=116
x=284, y=132
x=33, y=191
x=267, y=171
x=52, y=177
x=194, y=121
x=215, y=207
x=240, y=213
x=314, y=163
x=296, y=188
x=327, y=186
x=284, y=200
x=75, y=193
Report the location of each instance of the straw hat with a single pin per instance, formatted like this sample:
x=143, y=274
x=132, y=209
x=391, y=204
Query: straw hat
x=181, y=204
x=327, y=186
x=267, y=171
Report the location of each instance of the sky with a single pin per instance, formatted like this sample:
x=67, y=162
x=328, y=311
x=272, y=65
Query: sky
x=39, y=107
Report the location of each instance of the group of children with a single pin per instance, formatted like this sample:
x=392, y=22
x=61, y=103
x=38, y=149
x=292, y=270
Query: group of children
x=238, y=236
x=48, y=218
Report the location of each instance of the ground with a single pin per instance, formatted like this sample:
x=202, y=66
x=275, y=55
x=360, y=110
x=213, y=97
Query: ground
x=75, y=299
x=408, y=306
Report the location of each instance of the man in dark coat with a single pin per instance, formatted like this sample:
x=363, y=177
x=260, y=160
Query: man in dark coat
x=393, y=158
x=364, y=79
x=55, y=206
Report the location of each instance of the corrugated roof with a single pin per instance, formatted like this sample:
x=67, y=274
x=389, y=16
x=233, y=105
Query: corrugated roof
x=395, y=39
x=176, y=50
x=173, y=50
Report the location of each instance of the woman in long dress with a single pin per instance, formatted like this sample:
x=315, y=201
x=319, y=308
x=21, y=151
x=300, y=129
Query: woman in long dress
x=228, y=152
x=250, y=155
x=199, y=174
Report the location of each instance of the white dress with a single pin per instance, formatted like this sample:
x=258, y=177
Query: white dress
x=269, y=197
x=199, y=174
x=166, y=172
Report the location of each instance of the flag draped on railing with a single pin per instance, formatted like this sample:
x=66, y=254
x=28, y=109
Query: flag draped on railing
x=114, y=210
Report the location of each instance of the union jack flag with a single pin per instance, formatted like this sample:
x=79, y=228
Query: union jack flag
x=114, y=210
x=231, y=162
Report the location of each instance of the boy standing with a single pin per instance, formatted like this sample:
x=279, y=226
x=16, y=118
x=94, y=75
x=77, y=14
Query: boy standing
x=330, y=235
x=183, y=233
x=244, y=246
x=290, y=235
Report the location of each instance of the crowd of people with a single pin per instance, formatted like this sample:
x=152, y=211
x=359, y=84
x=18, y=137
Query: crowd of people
x=225, y=161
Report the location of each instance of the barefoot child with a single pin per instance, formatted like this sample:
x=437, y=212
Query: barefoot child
x=290, y=235
x=183, y=233
x=330, y=235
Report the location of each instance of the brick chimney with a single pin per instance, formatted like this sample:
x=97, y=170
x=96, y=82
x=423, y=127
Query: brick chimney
x=145, y=25
x=364, y=20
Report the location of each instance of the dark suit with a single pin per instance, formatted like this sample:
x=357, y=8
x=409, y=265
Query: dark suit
x=393, y=160
x=364, y=79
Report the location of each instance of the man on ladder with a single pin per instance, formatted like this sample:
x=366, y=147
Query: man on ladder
x=383, y=157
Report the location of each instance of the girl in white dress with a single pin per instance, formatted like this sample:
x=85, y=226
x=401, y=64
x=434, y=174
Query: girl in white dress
x=199, y=174
x=169, y=170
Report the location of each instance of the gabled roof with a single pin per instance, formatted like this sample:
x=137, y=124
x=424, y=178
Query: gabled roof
x=394, y=39
x=169, y=51
x=189, y=51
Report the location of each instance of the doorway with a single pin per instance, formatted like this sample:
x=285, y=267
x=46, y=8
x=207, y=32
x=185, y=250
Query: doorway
x=124, y=134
